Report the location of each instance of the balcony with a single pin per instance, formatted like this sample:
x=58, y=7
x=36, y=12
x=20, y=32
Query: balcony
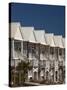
x=30, y=56
x=52, y=57
x=41, y=56
x=35, y=63
x=33, y=56
x=31, y=62
x=44, y=56
x=61, y=58
x=47, y=66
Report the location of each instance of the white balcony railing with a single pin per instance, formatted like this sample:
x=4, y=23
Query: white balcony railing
x=30, y=56
x=47, y=66
x=43, y=56
x=61, y=58
x=52, y=57
x=35, y=62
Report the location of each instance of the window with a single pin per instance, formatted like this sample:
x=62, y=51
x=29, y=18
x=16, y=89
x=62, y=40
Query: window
x=52, y=64
x=56, y=52
x=51, y=50
x=33, y=51
x=60, y=63
x=33, y=48
x=29, y=48
x=46, y=49
x=60, y=51
x=37, y=49
x=43, y=51
x=35, y=62
x=64, y=51
x=31, y=62
x=25, y=48
x=17, y=45
x=41, y=62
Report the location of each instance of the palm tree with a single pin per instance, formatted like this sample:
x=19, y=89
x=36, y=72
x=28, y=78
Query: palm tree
x=22, y=69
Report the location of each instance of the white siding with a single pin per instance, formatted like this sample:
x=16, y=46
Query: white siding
x=40, y=36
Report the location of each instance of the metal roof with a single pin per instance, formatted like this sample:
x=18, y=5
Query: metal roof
x=35, y=36
x=15, y=32
x=49, y=39
x=28, y=34
x=58, y=41
x=40, y=36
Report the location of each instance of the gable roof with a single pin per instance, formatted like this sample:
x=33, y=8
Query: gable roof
x=28, y=34
x=40, y=36
x=58, y=41
x=36, y=36
x=14, y=31
x=49, y=39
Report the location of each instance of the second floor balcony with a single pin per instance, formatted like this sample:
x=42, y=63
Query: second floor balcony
x=61, y=58
x=52, y=57
x=35, y=63
x=43, y=56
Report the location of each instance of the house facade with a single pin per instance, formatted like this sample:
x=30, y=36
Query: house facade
x=44, y=51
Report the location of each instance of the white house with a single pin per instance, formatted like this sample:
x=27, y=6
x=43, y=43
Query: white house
x=44, y=51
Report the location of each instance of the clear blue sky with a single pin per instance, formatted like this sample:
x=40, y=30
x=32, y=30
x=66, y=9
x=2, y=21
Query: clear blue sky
x=48, y=17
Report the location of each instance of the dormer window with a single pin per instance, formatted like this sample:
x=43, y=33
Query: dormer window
x=17, y=45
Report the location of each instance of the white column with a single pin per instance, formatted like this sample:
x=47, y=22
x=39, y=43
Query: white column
x=12, y=48
x=13, y=52
x=22, y=47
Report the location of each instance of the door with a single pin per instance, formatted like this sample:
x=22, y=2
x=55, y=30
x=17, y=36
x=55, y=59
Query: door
x=35, y=76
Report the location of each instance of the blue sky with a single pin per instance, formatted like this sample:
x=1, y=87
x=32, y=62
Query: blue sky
x=48, y=17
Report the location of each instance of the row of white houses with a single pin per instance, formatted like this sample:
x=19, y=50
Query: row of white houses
x=45, y=52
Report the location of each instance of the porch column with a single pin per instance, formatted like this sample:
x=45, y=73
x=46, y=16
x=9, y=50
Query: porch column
x=13, y=59
x=22, y=47
x=39, y=63
x=49, y=64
